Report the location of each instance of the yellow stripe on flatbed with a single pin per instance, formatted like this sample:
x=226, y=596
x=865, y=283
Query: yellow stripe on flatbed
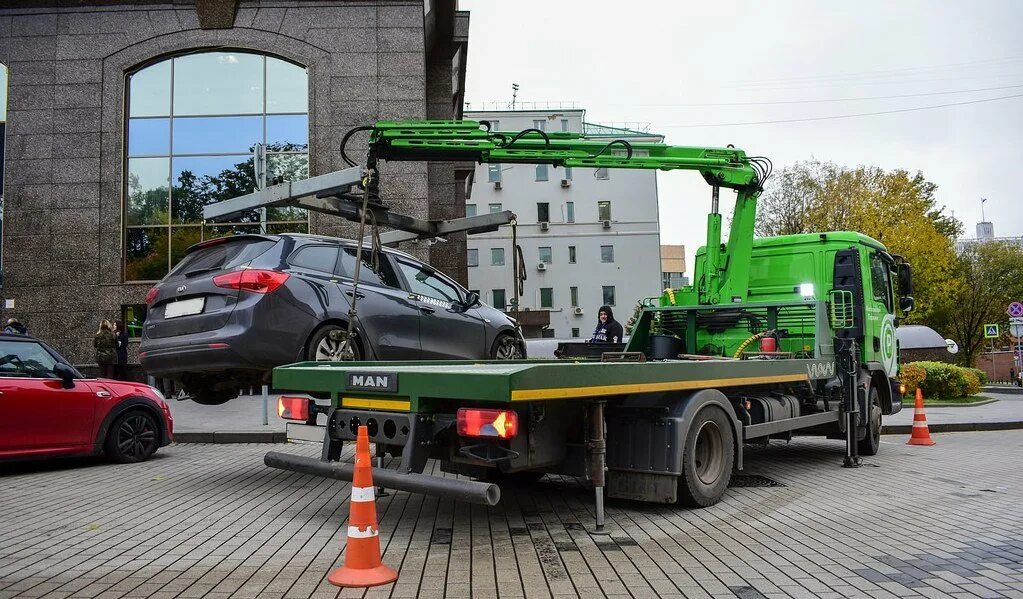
x=574, y=392
x=390, y=405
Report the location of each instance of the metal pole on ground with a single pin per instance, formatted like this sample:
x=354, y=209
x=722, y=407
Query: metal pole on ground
x=596, y=458
x=266, y=404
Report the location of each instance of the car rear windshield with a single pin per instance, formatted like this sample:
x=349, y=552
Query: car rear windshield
x=222, y=256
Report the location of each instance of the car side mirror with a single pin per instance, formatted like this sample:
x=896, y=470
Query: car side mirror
x=66, y=374
x=472, y=299
x=906, y=303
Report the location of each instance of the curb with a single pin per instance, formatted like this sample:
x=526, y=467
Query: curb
x=231, y=437
x=1006, y=390
x=953, y=427
x=960, y=405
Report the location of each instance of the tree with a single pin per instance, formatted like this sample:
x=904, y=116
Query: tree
x=893, y=207
x=986, y=278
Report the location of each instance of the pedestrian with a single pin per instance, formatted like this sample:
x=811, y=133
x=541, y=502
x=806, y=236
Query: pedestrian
x=608, y=329
x=15, y=327
x=106, y=349
x=121, y=336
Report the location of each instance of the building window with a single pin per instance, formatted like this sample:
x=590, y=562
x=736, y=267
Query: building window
x=497, y=256
x=133, y=316
x=569, y=212
x=543, y=212
x=571, y=254
x=540, y=124
x=474, y=257
x=575, y=332
x=193, y=125
x=541, y=172
x=547, y=333
x=545, y=255
x=573, y=294
x=470, y=209
x=604, y=210
x=602, y=174
x=608, y=292
x=494, y=173
x=495, y=125
x=568, y=173
x=495, y=208
x=497, y=299
x=607, y=253
x=546, y=297
x=564, y=124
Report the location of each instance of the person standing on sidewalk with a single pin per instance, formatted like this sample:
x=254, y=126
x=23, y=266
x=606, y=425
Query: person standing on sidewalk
x=121, y=336
x=105, y=344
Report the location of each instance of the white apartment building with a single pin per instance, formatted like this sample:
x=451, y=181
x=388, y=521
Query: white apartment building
x=589, y=237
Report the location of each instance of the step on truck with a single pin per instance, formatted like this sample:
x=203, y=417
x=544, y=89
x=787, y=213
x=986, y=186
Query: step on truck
x=776, y=337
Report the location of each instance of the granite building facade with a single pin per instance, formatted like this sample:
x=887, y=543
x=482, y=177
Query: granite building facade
x=124, y=117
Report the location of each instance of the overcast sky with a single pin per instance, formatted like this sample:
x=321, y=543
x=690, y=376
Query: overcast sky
x=650, y=61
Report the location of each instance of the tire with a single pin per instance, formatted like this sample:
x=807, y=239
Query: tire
x=134, y=437
x=707, y=458
x=325, y=347
x=208, y=397
x=871, y=442
x=506, y=347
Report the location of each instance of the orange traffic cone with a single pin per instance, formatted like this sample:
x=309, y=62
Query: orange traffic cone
x=921, y=435
x=362, y=559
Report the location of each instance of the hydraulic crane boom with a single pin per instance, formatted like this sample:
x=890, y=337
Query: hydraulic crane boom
x=726, y=275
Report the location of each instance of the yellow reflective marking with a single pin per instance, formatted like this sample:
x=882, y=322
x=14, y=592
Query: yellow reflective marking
x=573, y=392
x=392, y=405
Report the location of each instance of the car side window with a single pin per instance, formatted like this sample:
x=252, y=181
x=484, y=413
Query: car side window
x=321, y=258
x=26, y=360
x=425, y=283
x=381, y=273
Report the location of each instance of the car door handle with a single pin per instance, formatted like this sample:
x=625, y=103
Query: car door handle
x=351, y=293
x=102, y=394
x=427, y=309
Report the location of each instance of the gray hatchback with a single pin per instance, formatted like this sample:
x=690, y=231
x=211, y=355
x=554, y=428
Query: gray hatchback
x=236, y=307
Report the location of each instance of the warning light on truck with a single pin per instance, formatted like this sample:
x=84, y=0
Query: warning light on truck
x=496, y=424
x=293, y=408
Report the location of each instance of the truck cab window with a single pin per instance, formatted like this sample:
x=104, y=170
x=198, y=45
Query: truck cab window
x=881, y=280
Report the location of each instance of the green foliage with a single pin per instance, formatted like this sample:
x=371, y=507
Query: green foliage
x=943, y=381
x=912, y=375
x=980, y=374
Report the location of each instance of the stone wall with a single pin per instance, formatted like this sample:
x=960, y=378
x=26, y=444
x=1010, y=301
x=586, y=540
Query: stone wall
x=63, y=241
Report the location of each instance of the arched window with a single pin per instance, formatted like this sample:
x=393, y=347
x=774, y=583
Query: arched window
x=193, y=124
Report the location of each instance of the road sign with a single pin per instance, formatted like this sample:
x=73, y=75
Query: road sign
x=1015, y=310
x=1016, y=330
x=991, y=331
x=953, y=347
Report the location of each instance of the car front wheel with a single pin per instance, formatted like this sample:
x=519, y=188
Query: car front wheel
x=134, y=437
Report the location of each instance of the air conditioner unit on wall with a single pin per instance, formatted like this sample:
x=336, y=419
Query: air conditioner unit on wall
x=541, y=266
x=566, y=183
x=606, y=223
x=578, y=311
x=497, y=185
x=544, y=225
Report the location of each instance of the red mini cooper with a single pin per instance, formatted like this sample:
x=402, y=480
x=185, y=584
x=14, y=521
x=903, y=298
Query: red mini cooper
x=47, y=408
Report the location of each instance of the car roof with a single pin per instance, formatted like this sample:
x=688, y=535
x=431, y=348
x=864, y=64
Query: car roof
x=365, y=244
x=17, y=337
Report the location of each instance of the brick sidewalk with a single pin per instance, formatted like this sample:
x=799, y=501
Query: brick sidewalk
x=212, y=521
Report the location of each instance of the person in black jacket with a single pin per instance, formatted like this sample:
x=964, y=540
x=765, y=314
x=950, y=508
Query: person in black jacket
x=608, y=329
x=15, y=327
x=121, y=336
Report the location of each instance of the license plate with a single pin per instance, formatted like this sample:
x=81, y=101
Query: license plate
x=184, y=307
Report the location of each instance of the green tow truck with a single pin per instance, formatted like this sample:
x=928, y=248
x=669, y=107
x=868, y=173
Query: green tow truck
x=777, y=336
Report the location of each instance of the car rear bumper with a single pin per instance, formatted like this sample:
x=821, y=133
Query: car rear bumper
x=203, y=354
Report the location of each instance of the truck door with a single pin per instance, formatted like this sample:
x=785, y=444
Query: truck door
x=880, y=343
x=447, y=329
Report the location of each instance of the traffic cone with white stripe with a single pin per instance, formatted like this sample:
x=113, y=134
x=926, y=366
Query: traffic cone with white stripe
x=921, y=434
x=362, y=558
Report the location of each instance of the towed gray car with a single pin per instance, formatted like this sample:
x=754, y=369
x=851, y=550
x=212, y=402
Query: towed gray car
x=236, y=307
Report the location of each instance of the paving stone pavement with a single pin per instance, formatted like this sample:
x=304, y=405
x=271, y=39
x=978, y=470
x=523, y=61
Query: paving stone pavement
x=212, y=521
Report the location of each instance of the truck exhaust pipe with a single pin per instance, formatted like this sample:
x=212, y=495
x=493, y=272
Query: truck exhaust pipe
x=460, y=490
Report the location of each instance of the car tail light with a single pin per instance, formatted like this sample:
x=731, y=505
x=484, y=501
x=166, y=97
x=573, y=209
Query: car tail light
x=256, y=281
x=494, y=424
x=151, y=296
x=293, y=408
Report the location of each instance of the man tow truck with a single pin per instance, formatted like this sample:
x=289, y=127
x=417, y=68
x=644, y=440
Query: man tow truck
x=776, y=337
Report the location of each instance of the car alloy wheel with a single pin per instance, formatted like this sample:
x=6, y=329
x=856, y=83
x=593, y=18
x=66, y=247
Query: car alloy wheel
x=336, y=347
x=507, y=349
x=134, y=438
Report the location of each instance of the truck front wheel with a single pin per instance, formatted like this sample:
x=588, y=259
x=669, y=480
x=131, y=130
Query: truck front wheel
x=871, y=442
x=707, y=459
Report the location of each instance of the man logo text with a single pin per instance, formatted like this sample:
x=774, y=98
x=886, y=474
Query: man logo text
x=369, y=381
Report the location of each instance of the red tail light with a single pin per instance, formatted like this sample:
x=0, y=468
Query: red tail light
x=494, y=424
x=151, y=296
x=256, y=281
x=293, y=408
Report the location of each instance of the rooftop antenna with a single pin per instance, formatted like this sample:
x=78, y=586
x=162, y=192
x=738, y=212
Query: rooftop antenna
x=982, y=219
x=515, y=93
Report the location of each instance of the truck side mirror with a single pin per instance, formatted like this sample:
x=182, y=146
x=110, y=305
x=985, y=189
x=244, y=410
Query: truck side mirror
x=905, y=280
x=906, y=303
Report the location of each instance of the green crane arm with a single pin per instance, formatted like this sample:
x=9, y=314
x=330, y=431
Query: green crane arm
x=726, y=274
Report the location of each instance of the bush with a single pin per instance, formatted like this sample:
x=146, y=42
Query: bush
x=941, y=380
x=980, y=374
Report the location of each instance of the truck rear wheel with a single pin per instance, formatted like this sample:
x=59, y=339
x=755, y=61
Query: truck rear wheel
x=707, y=458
